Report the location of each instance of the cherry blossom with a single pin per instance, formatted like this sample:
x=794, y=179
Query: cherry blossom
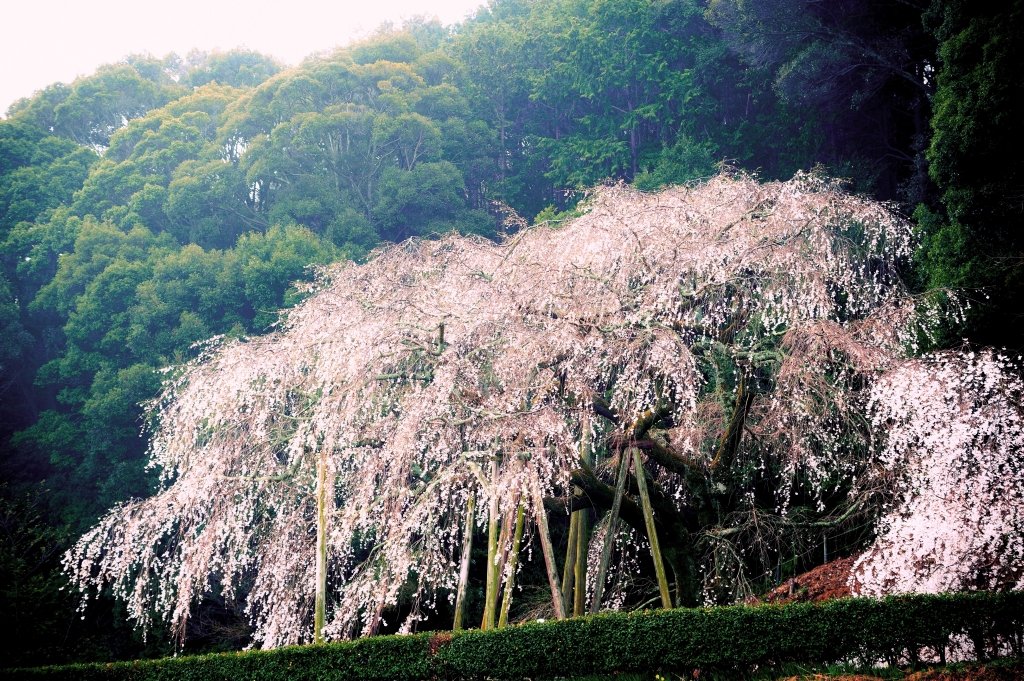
x=953, y=428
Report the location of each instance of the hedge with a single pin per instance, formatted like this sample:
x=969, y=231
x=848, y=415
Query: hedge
x=731, y=641
x=383, y=658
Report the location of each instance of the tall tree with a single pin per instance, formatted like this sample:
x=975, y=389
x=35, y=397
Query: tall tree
x=973, y=154
x=97, y=106
x=859, y=74
x=237, y=68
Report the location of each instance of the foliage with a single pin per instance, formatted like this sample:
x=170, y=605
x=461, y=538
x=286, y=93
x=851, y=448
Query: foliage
x=860, y=74
x=734, y=641
x=37, y=172
x=972, y=158
x=726, y=642
x=30, y=581
x=237, y=68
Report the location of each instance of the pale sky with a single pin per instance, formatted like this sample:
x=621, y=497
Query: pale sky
x=46, y=41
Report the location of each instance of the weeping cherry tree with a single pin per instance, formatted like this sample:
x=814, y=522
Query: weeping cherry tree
x=665, y=396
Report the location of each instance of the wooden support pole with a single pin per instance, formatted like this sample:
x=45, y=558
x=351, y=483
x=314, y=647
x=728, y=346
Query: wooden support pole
x=320, y=600
x=541, y=517
x=511, y=565
x=609, y=539
x=467, y=548
x=652, y=531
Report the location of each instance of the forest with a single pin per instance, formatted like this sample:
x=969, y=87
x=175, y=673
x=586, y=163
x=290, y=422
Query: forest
x=569, y=285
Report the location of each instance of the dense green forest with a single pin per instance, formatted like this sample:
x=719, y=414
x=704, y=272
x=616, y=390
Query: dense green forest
x=162, y=201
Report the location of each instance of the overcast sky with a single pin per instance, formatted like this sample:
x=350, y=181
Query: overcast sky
x=45, y=41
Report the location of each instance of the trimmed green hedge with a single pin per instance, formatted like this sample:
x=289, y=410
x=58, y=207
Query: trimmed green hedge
x=738, y=640
x=383, y=658
x=732, y=641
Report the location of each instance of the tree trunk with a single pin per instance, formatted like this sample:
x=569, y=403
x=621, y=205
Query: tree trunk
x=579, y=606
x=578, y=587
x=501, y=556
x=569, y=566
x=490, y=593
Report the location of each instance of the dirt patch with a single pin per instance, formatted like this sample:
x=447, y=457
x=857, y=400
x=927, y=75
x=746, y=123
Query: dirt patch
x=823, y=583
x=822, y=677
